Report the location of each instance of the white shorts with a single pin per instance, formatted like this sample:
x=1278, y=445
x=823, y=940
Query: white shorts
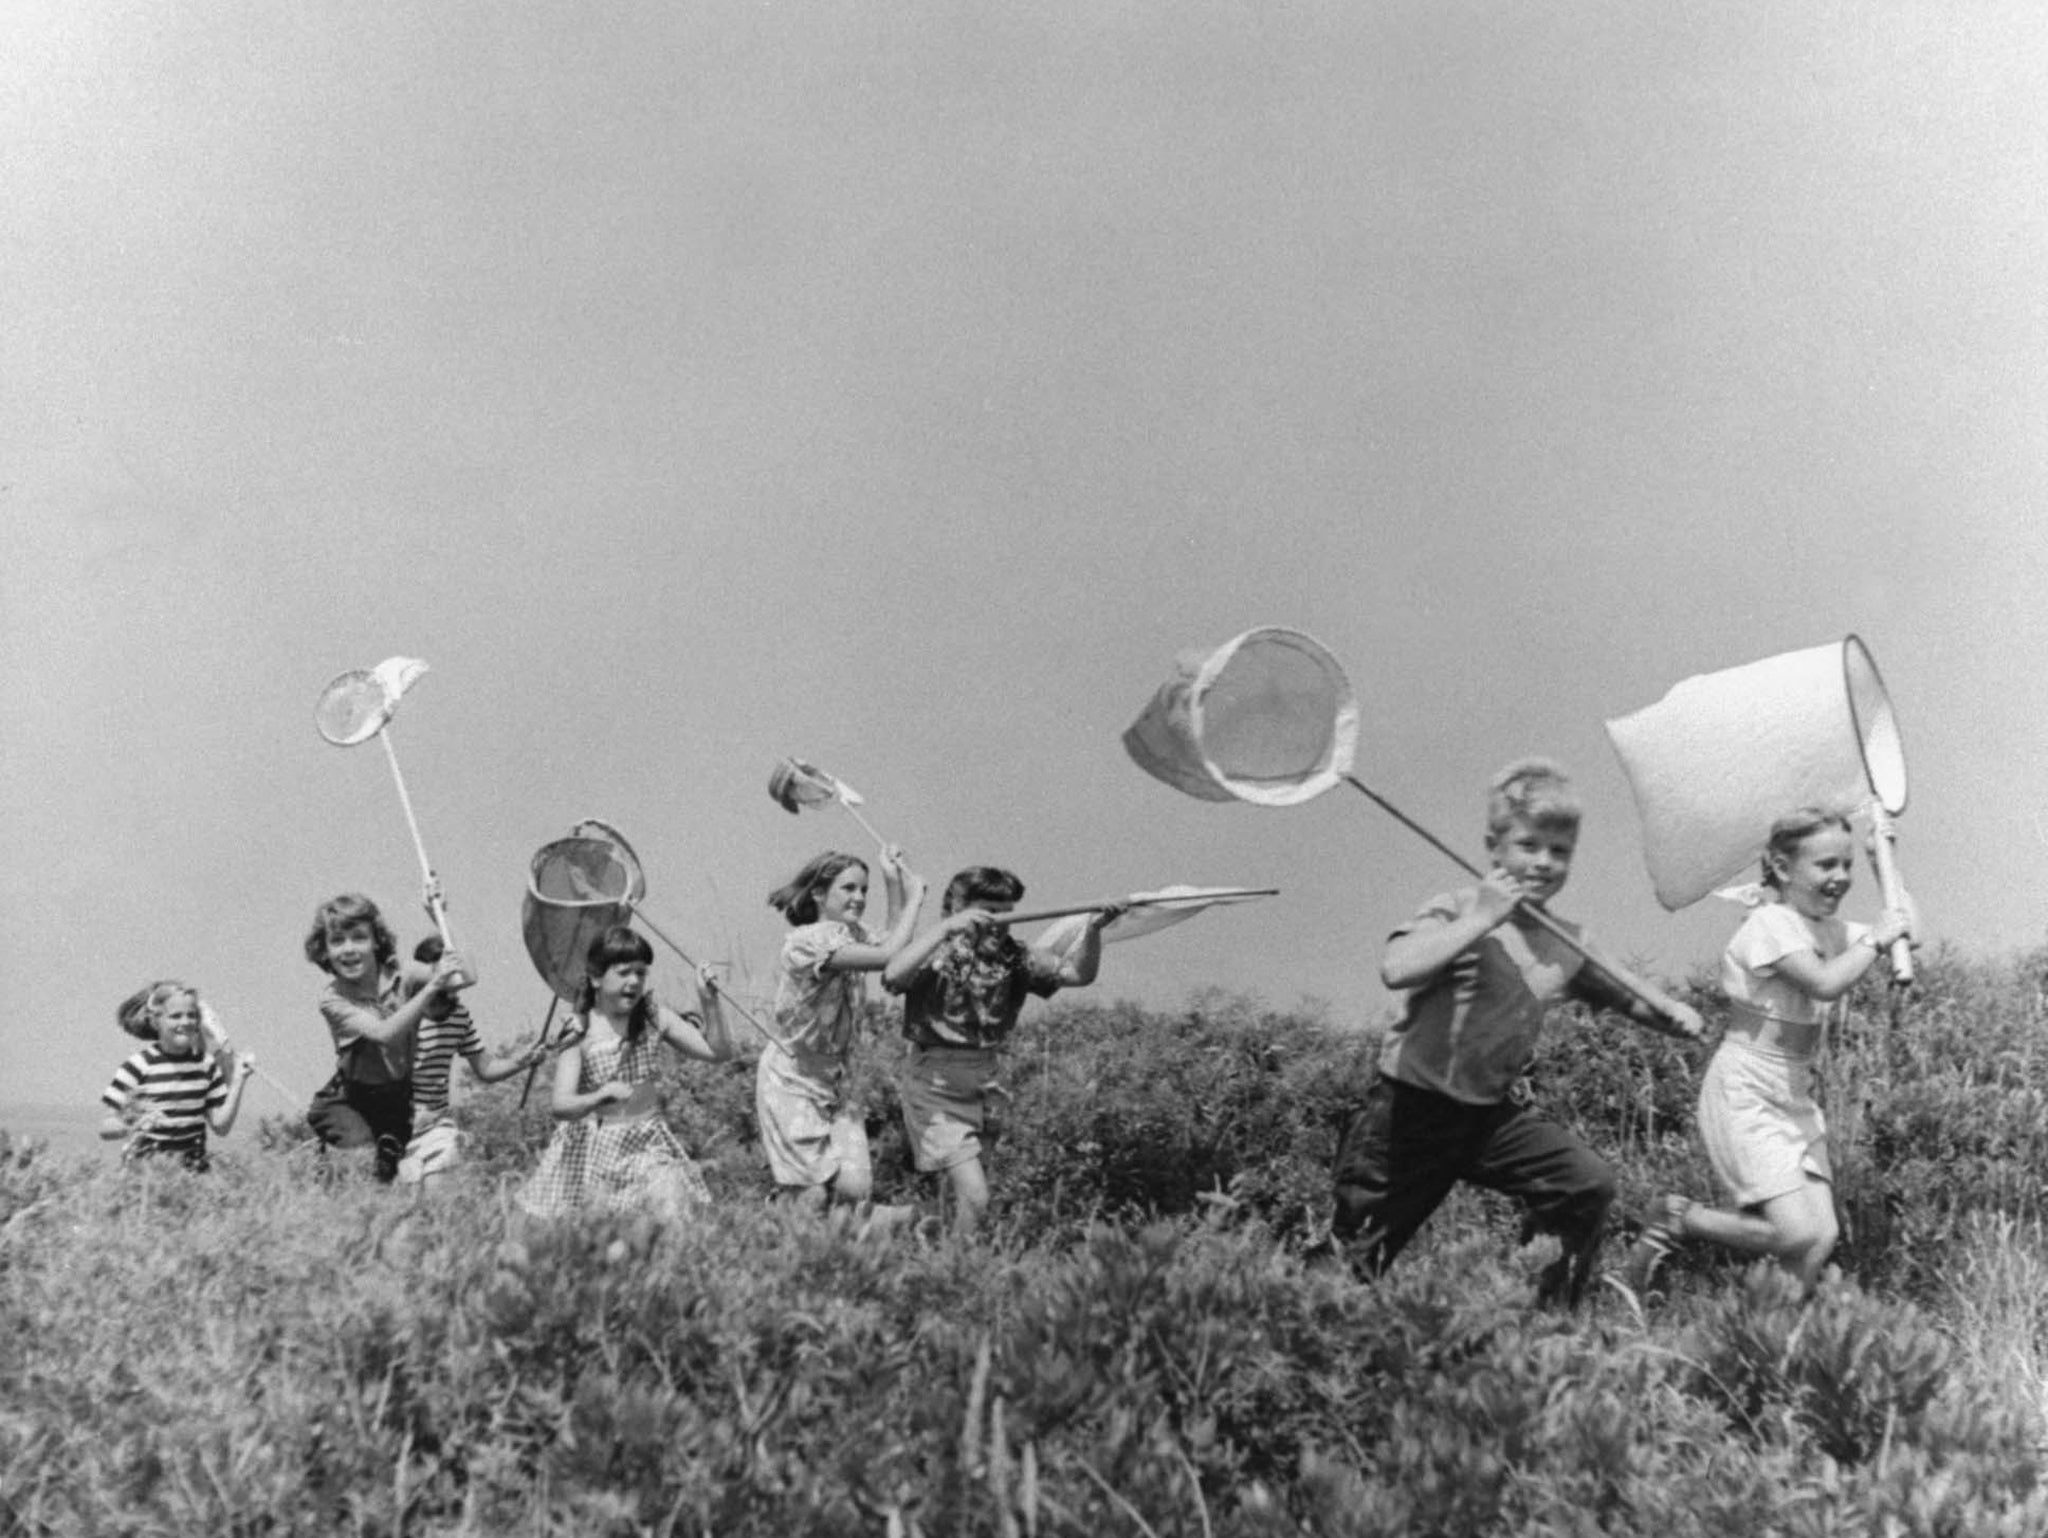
x=1764, y=1131
x=432, y=1151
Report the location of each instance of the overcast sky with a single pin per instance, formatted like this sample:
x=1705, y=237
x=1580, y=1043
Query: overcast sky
x=903, y=386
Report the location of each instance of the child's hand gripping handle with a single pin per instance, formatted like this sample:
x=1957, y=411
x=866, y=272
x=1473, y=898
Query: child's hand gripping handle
x=1883, y=836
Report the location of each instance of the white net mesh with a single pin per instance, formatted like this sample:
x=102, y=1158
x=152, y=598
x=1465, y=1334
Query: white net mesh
x=1268, y=717
x=352, y=709
x=577, y=888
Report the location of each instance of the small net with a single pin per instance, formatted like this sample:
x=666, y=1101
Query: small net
x=795, y=785
x=358, y=704
x=577, y=888
x=352, y=709
x=1268, y=717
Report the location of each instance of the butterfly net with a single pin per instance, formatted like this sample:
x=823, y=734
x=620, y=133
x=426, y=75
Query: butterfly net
x=352, y=709
x=1268, y=717
x=1877, y=728
x=1722, y=755
x=577, y=888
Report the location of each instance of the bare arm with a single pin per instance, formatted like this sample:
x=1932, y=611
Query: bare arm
x=903, y=967
x=1829, y=980
x=1077, y=968
x=906, y=891
x=1417, y=956
x=1606, y=984
x=222, y=1116
x=362, y=1022
x=491, y=1070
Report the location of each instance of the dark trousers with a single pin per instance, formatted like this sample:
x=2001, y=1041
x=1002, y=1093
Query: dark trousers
x=346, y=1114
x=1404, y=1148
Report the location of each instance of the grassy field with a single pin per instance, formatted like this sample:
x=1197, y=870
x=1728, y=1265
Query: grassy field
x=1135, y=1346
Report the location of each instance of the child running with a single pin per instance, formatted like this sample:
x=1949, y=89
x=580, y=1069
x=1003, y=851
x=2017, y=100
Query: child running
x=164, y=1098
x=614, y=1152
x=445, y=1033
x=1785, y=969
x=817, y=1144
x=368, y=1102
x=964, y=983
x=1480, y=974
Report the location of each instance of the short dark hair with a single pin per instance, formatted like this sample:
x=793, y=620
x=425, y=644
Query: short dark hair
x=981, y=884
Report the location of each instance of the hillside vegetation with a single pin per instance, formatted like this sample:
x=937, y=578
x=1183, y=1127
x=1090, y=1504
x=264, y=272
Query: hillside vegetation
x=1135, y=1346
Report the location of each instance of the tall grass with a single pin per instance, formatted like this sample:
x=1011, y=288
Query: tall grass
x=1135, y=1347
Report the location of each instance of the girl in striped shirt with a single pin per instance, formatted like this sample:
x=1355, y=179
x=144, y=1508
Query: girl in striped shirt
x=163, y=1099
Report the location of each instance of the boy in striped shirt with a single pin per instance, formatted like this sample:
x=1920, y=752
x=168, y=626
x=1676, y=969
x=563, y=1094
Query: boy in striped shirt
x=446, y=1032
x=164, y=1098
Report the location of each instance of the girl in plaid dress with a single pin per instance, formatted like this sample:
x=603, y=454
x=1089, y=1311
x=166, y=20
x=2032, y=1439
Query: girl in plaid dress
x=613, y=1151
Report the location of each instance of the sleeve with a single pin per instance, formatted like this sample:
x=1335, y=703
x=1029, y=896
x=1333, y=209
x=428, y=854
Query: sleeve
x=1768, y=936
x=805, y=951
x=115, y=1096
x=216, y=1085
x=1041, y=971
x=1435, y=913
x=469, y=1040
x=345, y=1019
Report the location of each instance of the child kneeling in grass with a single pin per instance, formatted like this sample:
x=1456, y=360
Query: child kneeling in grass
x=1480, y=973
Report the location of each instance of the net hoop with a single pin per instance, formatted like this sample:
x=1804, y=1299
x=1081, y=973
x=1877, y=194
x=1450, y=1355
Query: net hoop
x=1876, y=726
x=1723, y=755
x=358, y=704
x=1228, y=728
x=576, y=889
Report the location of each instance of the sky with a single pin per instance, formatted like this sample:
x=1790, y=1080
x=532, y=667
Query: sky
x=903, y=388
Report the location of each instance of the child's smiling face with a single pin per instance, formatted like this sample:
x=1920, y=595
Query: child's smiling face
x=846, y=899
x=177, y=1026
x=352, y=952
x=1536, y=854
x=1816, y=877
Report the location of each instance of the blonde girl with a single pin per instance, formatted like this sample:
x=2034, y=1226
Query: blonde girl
x=1784, y=971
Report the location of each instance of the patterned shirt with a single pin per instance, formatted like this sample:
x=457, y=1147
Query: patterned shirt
x=817, y=1009
x=435, y=1049
x=180, y=1089
x=969, y=994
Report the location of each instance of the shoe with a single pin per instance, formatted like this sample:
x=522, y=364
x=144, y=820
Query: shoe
x=1663, y=1231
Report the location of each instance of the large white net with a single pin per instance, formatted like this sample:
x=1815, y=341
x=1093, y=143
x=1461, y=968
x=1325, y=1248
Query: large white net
x=1268, y=717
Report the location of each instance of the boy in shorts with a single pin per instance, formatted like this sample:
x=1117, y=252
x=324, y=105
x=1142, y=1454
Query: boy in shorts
x=964, y=982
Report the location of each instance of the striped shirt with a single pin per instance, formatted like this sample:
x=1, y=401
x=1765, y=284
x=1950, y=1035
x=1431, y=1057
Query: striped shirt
x=180, y=1089
x=435, y=1049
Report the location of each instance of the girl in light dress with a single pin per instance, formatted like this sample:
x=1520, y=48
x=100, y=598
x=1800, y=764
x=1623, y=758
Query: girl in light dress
x=614, y=1151
x=1784, y=971
x=816, y=1141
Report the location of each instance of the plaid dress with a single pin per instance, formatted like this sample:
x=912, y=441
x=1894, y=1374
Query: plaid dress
x=618, y=1166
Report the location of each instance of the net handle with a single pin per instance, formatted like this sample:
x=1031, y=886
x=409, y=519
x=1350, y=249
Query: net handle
x=1202, y=898
x=1538, y=916
x=435, y=907
x=554, y=1003
x=1883, y=834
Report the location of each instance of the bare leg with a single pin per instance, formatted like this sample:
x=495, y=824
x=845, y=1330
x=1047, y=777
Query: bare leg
x=970, y=1195
x=1797, y=1229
